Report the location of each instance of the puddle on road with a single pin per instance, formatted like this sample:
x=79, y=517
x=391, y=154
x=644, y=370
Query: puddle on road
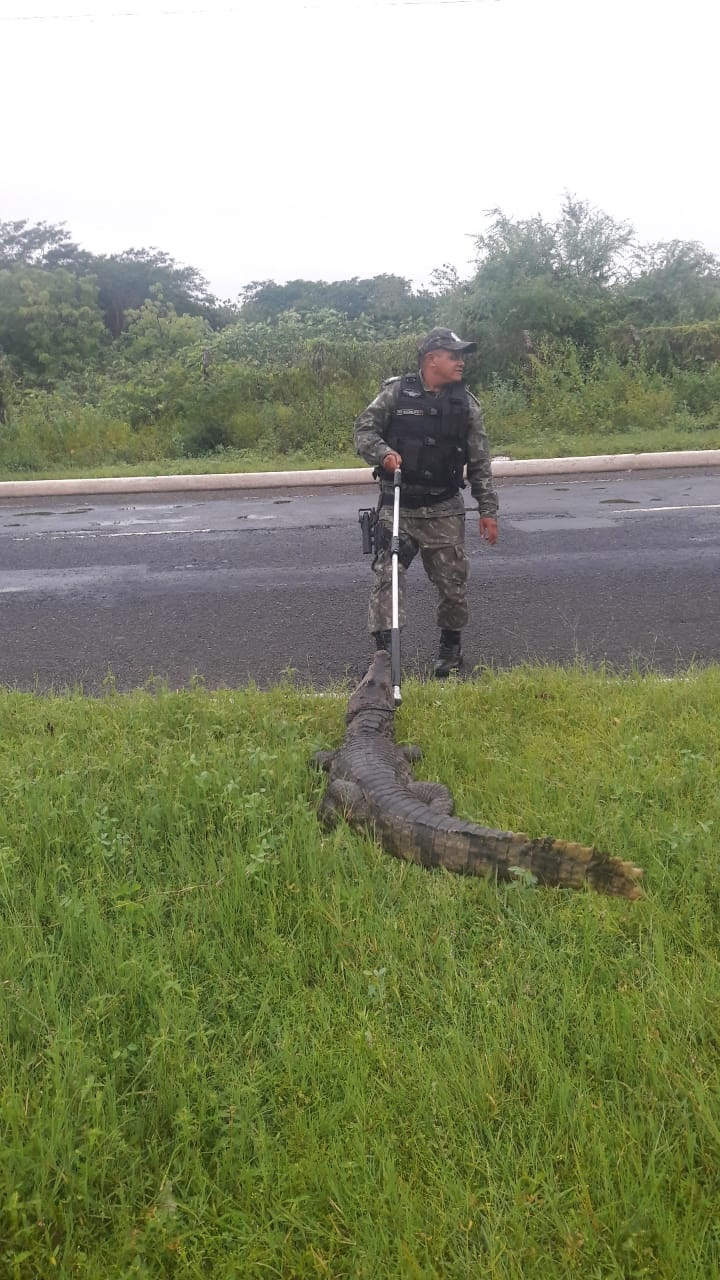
x=160, y=506
x=75, y=511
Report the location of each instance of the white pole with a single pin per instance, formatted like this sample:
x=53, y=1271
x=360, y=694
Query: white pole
x=395, y=633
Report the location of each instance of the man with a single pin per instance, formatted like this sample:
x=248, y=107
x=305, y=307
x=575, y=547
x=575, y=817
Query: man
x=431, y=426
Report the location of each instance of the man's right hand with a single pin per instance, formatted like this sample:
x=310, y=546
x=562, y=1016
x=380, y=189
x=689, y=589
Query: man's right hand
x=391, y=462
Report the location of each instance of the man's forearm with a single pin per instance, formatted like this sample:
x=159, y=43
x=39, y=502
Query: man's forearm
x=371, y=448
x=479, y=464
x=482, y=485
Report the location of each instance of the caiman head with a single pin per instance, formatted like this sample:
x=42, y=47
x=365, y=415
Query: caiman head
x=371, y=708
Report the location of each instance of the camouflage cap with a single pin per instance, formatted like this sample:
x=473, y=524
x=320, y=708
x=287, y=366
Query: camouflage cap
x=444, y=340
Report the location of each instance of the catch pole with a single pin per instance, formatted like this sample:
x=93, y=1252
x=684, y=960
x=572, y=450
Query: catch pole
x=395, y=552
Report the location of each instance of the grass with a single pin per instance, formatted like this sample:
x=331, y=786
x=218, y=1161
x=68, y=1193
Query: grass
x=542, y=444
x=234, y=1046
x=549, y=444
x=220, y=463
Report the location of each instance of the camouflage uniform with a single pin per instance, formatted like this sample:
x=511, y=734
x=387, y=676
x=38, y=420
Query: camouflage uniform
x=437, y=531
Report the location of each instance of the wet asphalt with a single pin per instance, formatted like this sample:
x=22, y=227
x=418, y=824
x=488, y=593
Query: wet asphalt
x=229, y=588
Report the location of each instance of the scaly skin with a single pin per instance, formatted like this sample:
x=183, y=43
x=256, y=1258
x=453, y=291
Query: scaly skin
x=371, y=787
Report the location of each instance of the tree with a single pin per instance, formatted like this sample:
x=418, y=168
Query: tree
x=445, y=280
x=674, y=282
x=383, y=305
x=126, y=280
x=35, y=244
x=590, y=245
x=50, y=322
x=542, y=279
x=156, y=332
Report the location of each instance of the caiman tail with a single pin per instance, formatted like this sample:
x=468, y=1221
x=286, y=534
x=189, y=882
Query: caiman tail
x=468, y=849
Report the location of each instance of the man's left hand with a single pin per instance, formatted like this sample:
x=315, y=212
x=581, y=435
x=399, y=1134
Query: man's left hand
x=488, y=530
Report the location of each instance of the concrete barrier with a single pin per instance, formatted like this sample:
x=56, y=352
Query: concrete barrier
x=347, y=475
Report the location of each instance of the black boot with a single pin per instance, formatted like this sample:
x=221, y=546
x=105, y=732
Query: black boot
x=450, y=656
x=382, y=640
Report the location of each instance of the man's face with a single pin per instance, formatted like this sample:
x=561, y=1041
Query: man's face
x=447, y=366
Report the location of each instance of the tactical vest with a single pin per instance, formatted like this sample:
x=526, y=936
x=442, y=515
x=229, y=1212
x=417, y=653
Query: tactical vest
x=430, y=432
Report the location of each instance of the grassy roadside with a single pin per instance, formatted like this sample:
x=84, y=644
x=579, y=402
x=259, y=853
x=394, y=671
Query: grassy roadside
x=228, y=461
x=543, y=444
x=232, y=1046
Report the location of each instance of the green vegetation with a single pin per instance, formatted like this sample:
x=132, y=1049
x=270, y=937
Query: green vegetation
x=234, y=1046
x=588, y=343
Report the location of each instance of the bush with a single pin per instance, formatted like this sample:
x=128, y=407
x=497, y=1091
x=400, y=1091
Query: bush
x=508, y=416
x=56, y=429
x=699, y=391
x=206, y=436
x=603, y=396
x=155, y=409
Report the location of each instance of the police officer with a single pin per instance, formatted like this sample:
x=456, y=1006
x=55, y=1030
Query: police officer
x=431, y=426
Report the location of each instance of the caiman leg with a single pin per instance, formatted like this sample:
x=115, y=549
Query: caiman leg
x=435, y=796
x=322, y=760
x=338, y=802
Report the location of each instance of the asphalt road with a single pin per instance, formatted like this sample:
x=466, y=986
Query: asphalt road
x=260, y=585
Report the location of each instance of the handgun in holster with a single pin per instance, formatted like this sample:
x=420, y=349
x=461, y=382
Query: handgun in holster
x=368, y=518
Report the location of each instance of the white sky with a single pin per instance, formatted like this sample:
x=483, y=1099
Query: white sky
x=278, y=139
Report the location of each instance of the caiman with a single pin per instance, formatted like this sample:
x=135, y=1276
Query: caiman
x=371, y=786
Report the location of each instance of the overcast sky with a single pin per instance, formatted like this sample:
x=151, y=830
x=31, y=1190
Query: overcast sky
x=276, y=139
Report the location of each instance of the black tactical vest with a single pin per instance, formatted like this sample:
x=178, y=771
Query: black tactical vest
x=429, y=432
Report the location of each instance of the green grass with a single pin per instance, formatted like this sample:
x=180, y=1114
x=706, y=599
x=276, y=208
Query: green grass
x=222, y=463
x=234, y=1046
x=542, y=444
x=549, y=444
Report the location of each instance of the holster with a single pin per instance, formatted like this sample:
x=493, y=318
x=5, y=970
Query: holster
x=368, y=518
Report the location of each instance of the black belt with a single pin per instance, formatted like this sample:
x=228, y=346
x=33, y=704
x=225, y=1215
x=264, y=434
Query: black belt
x=411, y=501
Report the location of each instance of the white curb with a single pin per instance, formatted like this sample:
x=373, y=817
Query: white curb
x=608, y=462
x=348, y=475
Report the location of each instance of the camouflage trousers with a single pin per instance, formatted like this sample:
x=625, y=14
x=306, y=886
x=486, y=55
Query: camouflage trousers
x=441, y=543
